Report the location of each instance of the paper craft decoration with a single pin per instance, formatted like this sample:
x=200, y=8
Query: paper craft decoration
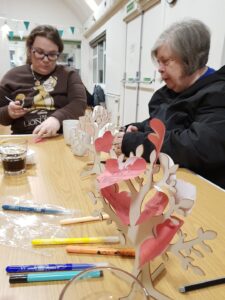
x=97, y=125
x=92, y=126
x=144, y=207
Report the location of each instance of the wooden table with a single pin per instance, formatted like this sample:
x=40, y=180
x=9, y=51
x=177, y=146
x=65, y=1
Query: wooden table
x=55, y=180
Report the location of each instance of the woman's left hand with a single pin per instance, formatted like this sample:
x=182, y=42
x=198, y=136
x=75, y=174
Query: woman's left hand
x=47, y=128
x=117, y=143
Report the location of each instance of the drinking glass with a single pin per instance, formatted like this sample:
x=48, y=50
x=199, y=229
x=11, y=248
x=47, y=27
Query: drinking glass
x=13, y=155
x=104, y=283
x=68, y=125
x=79, y=141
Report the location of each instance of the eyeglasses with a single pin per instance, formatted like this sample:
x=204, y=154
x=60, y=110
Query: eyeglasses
x=164, y=62
x=40, y=54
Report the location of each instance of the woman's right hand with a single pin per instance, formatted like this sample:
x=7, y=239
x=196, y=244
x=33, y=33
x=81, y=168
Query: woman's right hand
x=131, y=128
x=15, y=110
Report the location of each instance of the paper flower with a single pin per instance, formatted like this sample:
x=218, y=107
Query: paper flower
x=119, y=201
x=116, y=171
x=154, y=246
x=154, y=207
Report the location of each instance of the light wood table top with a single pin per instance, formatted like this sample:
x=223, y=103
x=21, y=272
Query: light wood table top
x=55, y=180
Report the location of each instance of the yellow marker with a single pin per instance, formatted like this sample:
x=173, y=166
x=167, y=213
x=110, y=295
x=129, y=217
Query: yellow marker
x=82, y=240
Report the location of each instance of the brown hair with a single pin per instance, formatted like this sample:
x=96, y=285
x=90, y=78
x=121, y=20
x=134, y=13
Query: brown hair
x=46, y=31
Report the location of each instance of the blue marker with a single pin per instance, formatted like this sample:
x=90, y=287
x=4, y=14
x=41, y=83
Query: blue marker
x=51, y=276
x=41, y=210
x=52, y=267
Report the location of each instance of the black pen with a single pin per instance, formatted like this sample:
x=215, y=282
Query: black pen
x=201, y=285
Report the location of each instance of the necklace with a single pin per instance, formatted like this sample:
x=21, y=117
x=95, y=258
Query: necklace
x=37, y=81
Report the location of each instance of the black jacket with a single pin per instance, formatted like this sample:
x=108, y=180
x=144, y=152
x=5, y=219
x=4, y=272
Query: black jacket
x=195, y=127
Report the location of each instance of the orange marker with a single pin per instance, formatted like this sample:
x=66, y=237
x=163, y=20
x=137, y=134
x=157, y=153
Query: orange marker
x=130, y=252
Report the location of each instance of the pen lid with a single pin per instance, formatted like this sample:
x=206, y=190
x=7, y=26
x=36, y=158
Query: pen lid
x=12, y=269
x=19, y=278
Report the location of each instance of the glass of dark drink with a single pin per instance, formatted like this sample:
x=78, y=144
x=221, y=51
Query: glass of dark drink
x=13, y=155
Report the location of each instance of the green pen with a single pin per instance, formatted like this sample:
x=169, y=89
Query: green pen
x=51, y=276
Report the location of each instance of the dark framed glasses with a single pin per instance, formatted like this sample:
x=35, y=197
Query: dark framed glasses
x=40, y=54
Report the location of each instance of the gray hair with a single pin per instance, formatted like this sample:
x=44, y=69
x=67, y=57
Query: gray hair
x=189, y=40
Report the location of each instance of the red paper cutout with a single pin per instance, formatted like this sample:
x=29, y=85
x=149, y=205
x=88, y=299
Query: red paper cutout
x=154, y=246
x=157, y=137
x=104, y=143
x=120, y=202
x=154, y=207
x=116, y=171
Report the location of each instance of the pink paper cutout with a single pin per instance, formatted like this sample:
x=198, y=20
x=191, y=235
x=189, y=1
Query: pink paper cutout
x=154, y=246
x=158, y=136
x=104, y=143
x=112, y=165
x=154, y=207
x=120, y=202
x=116, y=171
x=39, y=140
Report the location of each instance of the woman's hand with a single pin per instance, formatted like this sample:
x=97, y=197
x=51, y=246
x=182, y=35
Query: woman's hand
x=117, y=143
x=47, y=128
x=132, y=128
x=15, y=110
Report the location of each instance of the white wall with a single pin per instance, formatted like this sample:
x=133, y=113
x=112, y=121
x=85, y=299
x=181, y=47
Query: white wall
x=115, y=52
x=211, y=13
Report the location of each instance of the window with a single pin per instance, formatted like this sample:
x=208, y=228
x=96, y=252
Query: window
x=99, y=58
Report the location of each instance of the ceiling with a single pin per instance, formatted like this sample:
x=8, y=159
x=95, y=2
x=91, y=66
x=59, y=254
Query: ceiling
x=80, y=9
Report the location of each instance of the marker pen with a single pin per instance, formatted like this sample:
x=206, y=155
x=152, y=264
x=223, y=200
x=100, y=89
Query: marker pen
x=201, y=285
x=51, y=276
x=52, y=267
x=129, y=252
x=84, y=219
x=42, y=210
x=81, y=240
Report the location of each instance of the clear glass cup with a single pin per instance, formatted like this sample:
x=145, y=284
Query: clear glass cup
x=79, y=141
x=13, y=155
x=104, y=283
x=68, y=125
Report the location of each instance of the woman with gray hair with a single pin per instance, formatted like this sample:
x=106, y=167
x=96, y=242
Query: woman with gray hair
x=191, y=104
x=189, y=41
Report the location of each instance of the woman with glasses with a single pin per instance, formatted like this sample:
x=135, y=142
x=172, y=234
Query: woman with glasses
x=191, y=104
x=38, y=96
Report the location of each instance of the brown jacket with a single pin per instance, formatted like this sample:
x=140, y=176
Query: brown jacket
x=60, y=94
